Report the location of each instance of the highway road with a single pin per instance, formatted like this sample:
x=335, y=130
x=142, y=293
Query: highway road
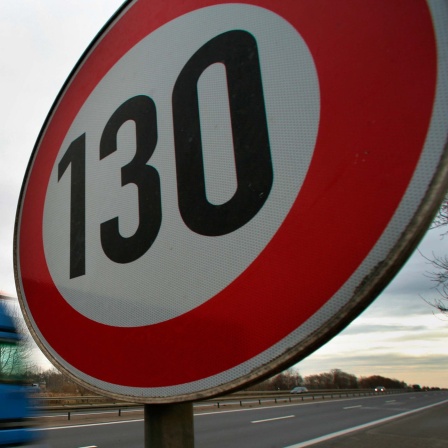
x=280, y=426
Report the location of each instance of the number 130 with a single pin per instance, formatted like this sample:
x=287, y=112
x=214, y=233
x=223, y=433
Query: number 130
x=237, y=51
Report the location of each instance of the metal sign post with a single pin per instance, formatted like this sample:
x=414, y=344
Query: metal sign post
x=205, y=165
x=169, y=425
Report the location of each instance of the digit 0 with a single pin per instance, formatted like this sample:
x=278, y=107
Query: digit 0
x=238, y=51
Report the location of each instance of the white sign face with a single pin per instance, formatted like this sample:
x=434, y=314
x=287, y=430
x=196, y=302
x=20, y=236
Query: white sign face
x=181, y=269
x=219, y=188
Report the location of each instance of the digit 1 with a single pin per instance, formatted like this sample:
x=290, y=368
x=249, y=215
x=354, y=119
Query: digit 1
x=142, y=110
x=238, y=51
x=76, y=157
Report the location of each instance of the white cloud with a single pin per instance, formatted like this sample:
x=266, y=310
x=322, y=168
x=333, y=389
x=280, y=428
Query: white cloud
x=40, y=41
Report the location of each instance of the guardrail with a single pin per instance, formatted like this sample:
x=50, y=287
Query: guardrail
x=277, y=396
x=75, y=404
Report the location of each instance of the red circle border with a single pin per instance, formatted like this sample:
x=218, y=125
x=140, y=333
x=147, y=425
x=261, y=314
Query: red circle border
x=377, y=81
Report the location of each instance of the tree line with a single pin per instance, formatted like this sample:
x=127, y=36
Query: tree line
x=334, y=379
x=54, y=382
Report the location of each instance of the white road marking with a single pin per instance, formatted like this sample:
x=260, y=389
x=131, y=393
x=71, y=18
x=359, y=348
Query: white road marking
x=353, y=407
x=357, y=428
x=89, y=424
x=273, y=419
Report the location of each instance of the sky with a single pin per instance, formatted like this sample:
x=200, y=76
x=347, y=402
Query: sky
x=399, y=336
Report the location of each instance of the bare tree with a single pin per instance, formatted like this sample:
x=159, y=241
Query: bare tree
x=10, y=361
x=343, y=380
x=282, y=381
x=439, y=263
x=27, y=343
x=286, y=380
x=15, y=357
x=439, y=276
x=441, y=220
x=334, y=379
x=320, y=381
x=373, y=381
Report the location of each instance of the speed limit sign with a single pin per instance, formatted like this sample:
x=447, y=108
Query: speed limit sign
x=219, y=187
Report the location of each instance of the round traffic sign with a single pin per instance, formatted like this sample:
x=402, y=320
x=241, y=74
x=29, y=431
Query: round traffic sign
x=219, y=188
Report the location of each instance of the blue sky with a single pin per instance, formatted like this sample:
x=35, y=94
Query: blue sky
x=400, y=335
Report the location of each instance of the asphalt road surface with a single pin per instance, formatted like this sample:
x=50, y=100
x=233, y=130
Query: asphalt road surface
x=287, y=425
